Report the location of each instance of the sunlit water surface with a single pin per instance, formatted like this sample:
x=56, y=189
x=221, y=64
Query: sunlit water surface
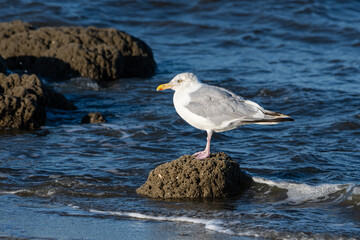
x=301, y=58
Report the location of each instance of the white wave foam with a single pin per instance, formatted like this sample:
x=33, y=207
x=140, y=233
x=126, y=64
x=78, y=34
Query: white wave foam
x=38, y=192
x=84, y=83
x=4, y=175
x=356, y=191
x=15, y=192
x=214, y=225
x=301, y=192
x=210, y=224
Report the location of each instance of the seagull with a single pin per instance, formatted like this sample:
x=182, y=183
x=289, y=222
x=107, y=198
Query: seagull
x=215, y=109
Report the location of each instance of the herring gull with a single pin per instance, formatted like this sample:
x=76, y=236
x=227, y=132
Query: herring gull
x=215, y=109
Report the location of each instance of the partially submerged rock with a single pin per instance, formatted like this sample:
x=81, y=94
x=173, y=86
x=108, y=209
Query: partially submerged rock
x=186, y=177
x=93, y=118
x=56, y=100
x=66, y=52
x=3, y=67
x=23, y=100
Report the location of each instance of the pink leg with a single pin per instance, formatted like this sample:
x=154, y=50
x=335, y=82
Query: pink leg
x=206, y=152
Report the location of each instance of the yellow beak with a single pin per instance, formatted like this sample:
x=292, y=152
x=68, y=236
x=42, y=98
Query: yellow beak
x=164, y=86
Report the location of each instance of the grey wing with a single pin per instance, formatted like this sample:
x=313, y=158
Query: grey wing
x=220, y=105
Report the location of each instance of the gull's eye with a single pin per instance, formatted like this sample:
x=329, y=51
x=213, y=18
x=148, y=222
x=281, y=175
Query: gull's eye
x=180, y=80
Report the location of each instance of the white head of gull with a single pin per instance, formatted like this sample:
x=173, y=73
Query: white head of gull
x=215, y=109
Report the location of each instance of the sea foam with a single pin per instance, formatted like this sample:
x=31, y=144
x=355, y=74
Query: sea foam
x=210, y=224
x=300, y=192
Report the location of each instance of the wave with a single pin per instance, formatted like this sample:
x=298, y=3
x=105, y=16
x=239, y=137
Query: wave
x=344, y=126
x=298, y=193
x=210, y=224
x=217, y=225
x=83, y=83
x=347, y=194
x=82, y=186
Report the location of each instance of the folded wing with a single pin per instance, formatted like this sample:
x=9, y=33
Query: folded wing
x=228, y=110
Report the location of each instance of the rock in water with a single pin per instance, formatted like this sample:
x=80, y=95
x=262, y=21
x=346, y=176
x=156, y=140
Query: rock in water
x=57, y=100
x=67, y=52
x=93, y=118
x=23, y=101
x=3, y=67
x=187, y=177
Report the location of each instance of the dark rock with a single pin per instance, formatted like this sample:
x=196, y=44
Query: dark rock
x=3, y=67
x=187, y=177
x=65, y=52
x=93, y=118
x=57, y=100
x=23, y=101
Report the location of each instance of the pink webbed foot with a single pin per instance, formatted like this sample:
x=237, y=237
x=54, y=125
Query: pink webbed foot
x=202, y=155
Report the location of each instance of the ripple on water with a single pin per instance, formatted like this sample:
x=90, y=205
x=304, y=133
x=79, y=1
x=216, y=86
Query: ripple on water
x=345, y=126
x=296, y=57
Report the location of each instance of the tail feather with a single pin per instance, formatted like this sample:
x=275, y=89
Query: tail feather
x=266, y=121
x=270, y=118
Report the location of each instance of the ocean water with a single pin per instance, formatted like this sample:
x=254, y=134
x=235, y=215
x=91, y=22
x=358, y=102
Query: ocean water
x=73, y=181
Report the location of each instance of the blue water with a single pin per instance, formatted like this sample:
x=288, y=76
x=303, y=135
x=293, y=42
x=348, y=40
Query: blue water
x=300, y=58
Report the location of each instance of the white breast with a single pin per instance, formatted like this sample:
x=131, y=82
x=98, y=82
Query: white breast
x=181, y=100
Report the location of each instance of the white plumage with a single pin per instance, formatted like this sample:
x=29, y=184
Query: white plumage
x=215, y=109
